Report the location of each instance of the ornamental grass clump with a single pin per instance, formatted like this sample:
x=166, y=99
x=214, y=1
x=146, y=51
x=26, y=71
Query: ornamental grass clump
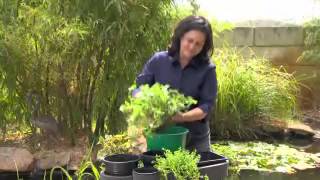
x=250, y=89
x=154, y=107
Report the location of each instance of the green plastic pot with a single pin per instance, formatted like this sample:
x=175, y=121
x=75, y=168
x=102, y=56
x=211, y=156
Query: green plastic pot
x=171, y=138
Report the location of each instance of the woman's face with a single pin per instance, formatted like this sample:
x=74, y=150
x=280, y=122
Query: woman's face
x=191, y=44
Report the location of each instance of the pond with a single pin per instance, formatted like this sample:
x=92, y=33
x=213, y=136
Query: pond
x=308, y=174
x=306, y=145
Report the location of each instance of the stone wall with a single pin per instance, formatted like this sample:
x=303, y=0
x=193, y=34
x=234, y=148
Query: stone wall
x=282, y=46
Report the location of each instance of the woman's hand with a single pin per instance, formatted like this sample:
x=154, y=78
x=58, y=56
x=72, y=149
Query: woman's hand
x=178, y=118
x=195, y=114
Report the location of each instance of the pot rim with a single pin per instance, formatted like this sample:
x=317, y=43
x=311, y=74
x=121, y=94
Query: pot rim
x=133, y=158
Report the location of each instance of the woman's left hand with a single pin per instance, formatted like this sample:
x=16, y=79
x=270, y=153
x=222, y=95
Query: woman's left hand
x=178, y=118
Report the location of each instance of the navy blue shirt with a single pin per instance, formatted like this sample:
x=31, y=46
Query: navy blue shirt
x=197, y=79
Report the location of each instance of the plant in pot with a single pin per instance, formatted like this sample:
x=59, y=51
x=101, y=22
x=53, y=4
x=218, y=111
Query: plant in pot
x=151, y=110
x=115, y=144
x=116, y=157
x=119, y=166
x=154, y=106
x=179, y=165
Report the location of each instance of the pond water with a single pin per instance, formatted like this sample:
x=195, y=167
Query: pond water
x=314, y=147
x=298, y=143
x=305, y=145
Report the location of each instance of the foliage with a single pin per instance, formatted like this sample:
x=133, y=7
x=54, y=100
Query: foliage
x=311, y=53
x=250, y=90
x=262, y=156
x=115, y=144
x=81, y=172
x=78, y=56
x=154, y=106
x=182, y=163
x=64, y=171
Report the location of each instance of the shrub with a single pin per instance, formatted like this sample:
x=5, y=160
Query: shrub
x=182, y=164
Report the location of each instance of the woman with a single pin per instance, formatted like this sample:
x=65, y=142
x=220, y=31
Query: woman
x=186, y=67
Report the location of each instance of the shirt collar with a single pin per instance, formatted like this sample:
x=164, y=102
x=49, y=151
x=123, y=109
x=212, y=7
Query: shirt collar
x=193, y=63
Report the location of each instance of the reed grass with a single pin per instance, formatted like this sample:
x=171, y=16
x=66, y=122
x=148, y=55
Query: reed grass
x=249, y=90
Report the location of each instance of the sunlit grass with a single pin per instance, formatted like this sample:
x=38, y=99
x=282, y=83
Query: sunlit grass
x=250, y=90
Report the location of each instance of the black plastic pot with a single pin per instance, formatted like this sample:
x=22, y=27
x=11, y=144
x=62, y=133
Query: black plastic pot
x=149, y=157
x=210, y=158
x=120, y=164
x=104, y=176
x=217, y=171
x=146, y=173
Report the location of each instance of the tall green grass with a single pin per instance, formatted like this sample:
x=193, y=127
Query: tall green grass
x=81, y=172
x=250, y=90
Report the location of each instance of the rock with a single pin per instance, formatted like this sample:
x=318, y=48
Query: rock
x=301, y=130
x=13, y=159
x=50, y=159
x=316, y=137
x=75, y=159
x=274, y=127
x=303, y=166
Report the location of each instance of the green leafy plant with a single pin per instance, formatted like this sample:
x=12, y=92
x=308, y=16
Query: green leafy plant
x=115, y=144
x=154, y=106
x=81, y=172
x=181, y=163
x=263, y=156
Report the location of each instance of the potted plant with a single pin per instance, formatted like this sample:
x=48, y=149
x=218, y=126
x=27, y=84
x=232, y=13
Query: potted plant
x=179, y=165
x=120, y=164
x=153, y=108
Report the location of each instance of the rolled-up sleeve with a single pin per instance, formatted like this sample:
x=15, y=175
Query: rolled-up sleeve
x=147, y=74
x=208, y=91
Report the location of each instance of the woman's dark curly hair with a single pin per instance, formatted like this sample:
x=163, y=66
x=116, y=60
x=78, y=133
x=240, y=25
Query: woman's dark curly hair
x=192, y=23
